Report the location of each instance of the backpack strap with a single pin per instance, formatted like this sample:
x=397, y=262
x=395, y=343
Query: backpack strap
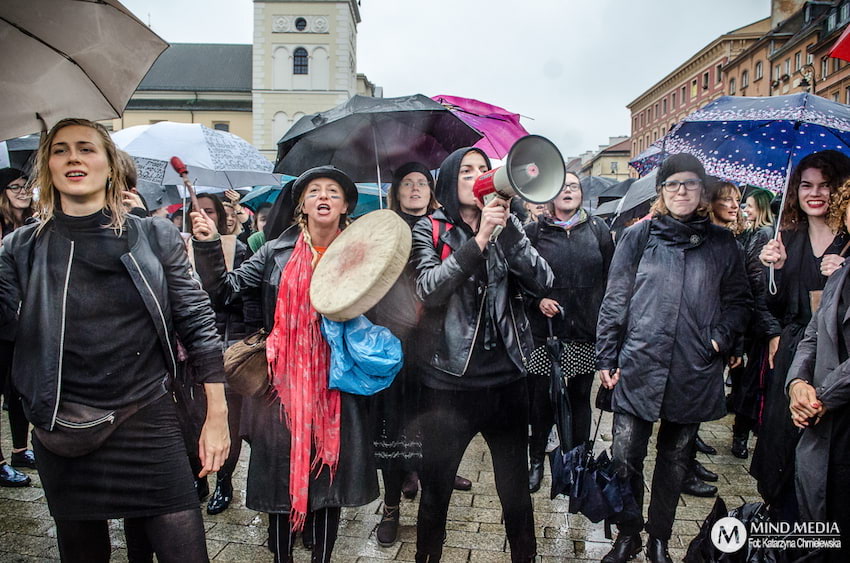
x=438, y=229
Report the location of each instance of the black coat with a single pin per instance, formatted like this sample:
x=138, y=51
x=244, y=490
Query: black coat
x=666, y=301
x=159, y=267
x=356, y=481
x=817, y=362
x=457, y=299
x=764, y=324
x=579, y=259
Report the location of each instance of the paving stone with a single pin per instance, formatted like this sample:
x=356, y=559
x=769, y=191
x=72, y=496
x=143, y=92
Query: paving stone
x=243, y=552
x=27, y=545
x=450, y=554
x=252, y=535
x=478, y=540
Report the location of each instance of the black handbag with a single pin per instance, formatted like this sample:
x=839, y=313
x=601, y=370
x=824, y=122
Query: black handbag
x=80, y=429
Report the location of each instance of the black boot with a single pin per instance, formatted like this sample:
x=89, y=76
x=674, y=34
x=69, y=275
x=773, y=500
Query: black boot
x=222, y=496
x=704, y=448
x=625, y=549
x=703, y=473
x=11, y=477
x=462, y=483
x=25, y=458
x=692, y=485
x=535, y=474
x=202, y=487
x=739, y=447
x=656, y=551
x=387, y=531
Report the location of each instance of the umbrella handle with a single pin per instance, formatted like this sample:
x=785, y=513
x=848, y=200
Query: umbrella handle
x=181, y=169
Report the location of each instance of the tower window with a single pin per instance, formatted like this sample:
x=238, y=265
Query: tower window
x=299, y=64
x=301, y=24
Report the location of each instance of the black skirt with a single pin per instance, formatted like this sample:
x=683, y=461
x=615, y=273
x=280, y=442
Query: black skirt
x=141, y=470
x=398, y=444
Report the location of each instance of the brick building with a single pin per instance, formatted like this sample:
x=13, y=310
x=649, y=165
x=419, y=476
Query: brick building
x=693, y=84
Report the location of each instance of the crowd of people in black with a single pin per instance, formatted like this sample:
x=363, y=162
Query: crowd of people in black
x=133, y=308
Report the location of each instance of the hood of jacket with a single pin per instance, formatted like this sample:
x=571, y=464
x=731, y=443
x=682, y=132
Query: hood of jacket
x=446, y=190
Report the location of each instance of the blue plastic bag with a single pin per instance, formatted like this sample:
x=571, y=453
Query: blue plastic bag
x=364, y=358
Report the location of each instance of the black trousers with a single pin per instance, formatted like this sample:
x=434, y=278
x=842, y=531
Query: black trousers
x=449, y=422
x=322, y=525
x=18, y=424
x=675, y=445
x=542, y=416
x=838, y=508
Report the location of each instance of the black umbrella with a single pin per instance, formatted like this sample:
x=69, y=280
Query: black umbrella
x=370, y=137
x=616, y=191
x=18, y=153
x=592, y=186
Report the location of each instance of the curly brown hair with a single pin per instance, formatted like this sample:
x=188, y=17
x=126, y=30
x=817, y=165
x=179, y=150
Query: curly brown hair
x=838, y=203
x=835, y=168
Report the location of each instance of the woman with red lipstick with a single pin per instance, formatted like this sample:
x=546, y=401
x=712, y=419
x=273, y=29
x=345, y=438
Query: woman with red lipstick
x=807, y=252
x=105, y=293
x=578, y=248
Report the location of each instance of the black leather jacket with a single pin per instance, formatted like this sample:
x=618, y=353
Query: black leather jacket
x=456, y=299
x=159, y=267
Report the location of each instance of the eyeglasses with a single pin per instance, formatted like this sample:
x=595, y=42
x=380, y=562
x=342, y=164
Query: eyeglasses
x=18, y=189
x=672, y=186
x=420, y=184
x=572, y=187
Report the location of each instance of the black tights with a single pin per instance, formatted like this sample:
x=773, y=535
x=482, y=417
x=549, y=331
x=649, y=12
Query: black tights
x=322, y=525
x=175, y=537
x=18, y=424
x=393, y=481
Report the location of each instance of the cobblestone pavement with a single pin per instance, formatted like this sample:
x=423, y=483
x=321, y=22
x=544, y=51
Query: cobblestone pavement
x=475, y=528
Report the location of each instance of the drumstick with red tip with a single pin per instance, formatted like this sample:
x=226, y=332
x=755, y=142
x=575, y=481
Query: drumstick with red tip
x=181, y=169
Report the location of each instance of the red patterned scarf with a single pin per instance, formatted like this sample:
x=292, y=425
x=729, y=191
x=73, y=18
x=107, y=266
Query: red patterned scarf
x=299, y=360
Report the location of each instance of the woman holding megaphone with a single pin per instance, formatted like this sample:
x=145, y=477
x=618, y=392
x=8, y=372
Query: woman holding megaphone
x=475, y=335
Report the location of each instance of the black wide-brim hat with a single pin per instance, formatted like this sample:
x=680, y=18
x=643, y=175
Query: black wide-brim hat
x=331, y=172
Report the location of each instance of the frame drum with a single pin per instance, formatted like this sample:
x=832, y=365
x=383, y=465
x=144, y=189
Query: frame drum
x=361, y=265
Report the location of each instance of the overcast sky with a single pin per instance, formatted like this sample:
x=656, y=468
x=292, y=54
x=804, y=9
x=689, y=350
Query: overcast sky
x=570, y=66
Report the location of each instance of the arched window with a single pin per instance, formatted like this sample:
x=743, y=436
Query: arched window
x=299, y=62
x=731, y=86
x=300, y=24
x=745, y=79
x=759, y=70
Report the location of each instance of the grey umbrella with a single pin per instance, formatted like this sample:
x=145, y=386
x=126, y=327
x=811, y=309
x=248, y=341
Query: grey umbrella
x=592, y=186
x=367, y=137
x=69, y=58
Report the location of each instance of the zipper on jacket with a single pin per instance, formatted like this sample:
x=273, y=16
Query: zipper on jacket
x=475, y=334
x=110, y=418
x=516, y=331
x=62, y=336
x=159, y=309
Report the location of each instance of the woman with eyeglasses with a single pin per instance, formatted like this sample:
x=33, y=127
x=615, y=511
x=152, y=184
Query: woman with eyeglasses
x=578, y=248
x=806, y=253
x=676, y=300
x=16, y=210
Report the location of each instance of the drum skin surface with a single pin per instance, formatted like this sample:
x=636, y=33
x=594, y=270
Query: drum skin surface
x=361, y=265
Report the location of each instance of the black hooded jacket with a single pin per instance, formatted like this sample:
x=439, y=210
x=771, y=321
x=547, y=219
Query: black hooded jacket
x=473, y=299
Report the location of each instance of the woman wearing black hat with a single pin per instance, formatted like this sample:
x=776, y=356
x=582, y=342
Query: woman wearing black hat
x=16, y=209
x=677, y=296
x=311, y=449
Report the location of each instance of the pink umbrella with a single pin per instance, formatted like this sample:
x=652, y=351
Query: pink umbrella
x=500, y=127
